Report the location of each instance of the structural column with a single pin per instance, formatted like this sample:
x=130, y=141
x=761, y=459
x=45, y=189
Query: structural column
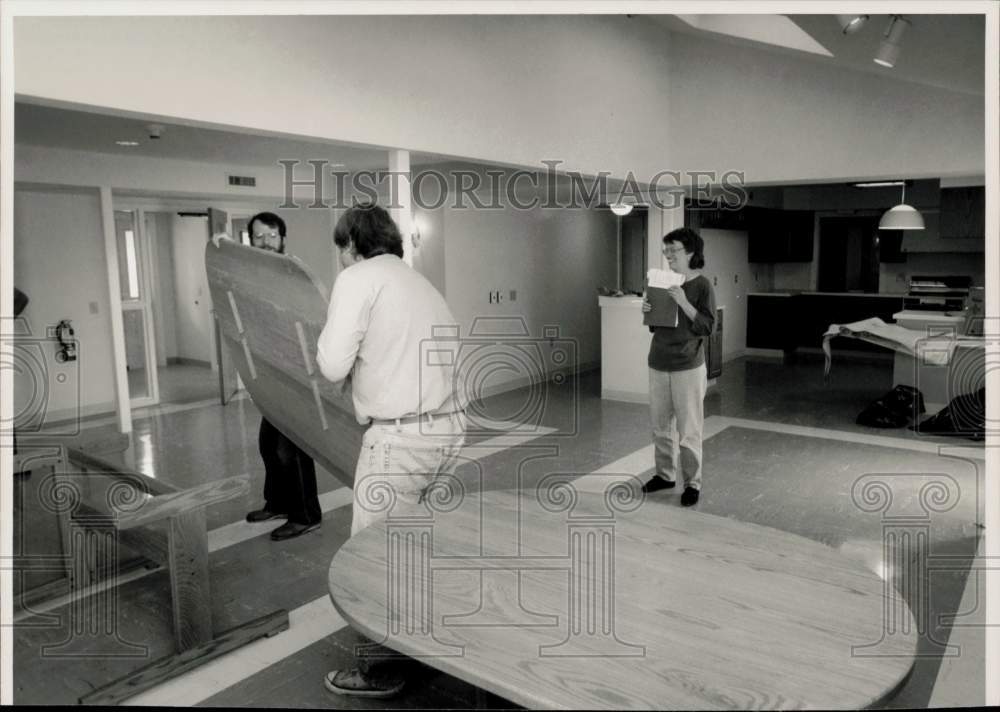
x=401, y=199
x=661, y=221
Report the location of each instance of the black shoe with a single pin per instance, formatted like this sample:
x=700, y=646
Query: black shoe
x=657, y=483
x=290, y=530
x=262, y=515
x=690, y=496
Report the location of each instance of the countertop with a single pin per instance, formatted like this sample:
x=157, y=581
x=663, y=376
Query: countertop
x=796, y=292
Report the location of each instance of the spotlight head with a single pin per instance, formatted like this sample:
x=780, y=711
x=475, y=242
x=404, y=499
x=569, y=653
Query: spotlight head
x=888, y=49
x=849, y=24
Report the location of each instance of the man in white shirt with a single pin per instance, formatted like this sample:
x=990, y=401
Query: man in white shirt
x=381, y=312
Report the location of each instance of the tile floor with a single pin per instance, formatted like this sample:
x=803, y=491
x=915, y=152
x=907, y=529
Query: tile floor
x=781, y=450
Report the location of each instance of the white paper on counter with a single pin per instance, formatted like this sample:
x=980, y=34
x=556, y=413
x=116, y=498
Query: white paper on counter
x=664, y=278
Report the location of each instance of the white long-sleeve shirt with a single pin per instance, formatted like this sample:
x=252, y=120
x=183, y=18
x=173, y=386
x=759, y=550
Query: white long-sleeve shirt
x=382, y=323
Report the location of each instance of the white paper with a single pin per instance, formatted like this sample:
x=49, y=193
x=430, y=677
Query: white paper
x=664, y=278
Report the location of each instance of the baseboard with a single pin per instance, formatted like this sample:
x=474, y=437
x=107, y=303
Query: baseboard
x=525, y=381
x=625, y=396
x=185, y=361
x=67, y=420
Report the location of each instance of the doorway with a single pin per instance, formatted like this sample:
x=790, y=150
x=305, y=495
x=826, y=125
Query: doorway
x=848, y=254
x=633, y=251
x=166, y=306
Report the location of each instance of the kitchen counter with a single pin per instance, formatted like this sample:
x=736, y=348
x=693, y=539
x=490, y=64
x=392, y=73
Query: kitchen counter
x=795, y=293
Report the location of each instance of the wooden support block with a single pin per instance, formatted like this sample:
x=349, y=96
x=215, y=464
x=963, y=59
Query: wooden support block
x=189, y=588
x=173, y=665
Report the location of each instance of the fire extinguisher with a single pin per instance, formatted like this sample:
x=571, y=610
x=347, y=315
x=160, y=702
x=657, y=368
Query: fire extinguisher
x=67, y=344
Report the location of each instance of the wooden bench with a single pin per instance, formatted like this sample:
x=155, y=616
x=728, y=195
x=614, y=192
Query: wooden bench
x=100, y=505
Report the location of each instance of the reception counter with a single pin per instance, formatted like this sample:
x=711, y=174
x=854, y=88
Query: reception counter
x=624, y=347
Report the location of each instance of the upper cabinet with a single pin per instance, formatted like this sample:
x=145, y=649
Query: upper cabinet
x=958, y=226
x=780, y=235
x=963, y=213
x=714, y=215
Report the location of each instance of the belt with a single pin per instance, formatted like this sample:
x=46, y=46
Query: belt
x=446, y=408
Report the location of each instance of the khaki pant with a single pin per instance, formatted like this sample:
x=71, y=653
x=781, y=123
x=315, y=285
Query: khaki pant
x=678, y=398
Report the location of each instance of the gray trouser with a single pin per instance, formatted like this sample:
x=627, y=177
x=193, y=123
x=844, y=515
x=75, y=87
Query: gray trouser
x=678, y=397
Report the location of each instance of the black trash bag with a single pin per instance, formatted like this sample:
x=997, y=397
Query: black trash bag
x=964, y=416
x=878, y=415
x=906, y=400
x=893, y=410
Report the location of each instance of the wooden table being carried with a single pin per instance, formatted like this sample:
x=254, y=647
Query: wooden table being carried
x=569, y=599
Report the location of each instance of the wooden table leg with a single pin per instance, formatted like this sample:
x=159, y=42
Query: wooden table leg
x=189, y=588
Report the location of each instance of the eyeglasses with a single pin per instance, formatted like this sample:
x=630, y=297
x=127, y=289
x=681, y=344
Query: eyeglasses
x=673, y=250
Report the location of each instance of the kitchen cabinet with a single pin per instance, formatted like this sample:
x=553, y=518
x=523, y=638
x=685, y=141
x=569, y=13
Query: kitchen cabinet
x=788, y=321
x=769, y=321
x=817, y=311
x=713, y=215
x=930, y=239
x=780, y=235
x=963, y=212
x=713, y=346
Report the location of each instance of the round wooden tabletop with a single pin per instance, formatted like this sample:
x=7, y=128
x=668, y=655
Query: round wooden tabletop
x=566, y=599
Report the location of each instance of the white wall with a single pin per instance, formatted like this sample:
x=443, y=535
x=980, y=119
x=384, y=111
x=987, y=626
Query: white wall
x=310, y=238
x=587, y=89
x=781, y=117
x=59, y=263
x=555, y=260
x=429, y=256
x=192, y=299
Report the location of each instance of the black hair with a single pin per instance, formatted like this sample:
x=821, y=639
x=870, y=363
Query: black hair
x=370, y=230
x=692, y=243
x=269, y=219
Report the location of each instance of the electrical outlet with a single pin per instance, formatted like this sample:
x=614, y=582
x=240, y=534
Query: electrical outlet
x=513, y=295
x=93, y=308
x=715, y=281
x=736, y=279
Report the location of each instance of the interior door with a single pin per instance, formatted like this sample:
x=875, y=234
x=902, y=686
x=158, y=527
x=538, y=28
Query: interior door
x=137, y=313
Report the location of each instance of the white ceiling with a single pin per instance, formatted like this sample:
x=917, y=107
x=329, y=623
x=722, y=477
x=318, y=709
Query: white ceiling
x=40, y=125
x=945, y=51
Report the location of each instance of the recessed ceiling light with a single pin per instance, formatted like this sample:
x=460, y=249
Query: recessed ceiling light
x=127, y=143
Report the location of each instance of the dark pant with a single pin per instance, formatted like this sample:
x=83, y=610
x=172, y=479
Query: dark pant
x=290, y=477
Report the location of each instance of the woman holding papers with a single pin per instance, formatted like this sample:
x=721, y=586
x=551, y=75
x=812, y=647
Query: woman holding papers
x=677, y=372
